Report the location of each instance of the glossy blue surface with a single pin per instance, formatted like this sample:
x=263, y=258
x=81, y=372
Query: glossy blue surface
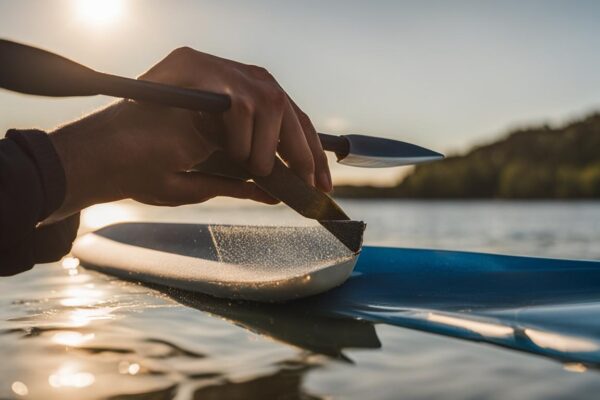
x=544, y=306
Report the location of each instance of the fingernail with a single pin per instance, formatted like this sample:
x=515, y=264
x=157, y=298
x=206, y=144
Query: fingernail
x=325, y=181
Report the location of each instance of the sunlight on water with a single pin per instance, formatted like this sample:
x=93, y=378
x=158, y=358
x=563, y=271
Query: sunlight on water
x=105, y=214
x=483, y=328
x=79, y=297
x=562, y=343
x=69, y=376
x=19, y=388
x=575, y=367
x=83, y=317
x=70, y=264
x=67, y=332
x=72, y=338
x=131, y=368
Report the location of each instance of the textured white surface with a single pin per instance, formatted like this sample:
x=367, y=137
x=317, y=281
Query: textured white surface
x=257, y=263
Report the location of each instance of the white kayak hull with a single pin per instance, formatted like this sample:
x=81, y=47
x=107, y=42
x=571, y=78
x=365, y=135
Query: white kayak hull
x=269, y=264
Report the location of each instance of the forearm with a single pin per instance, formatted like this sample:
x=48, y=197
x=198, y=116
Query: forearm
x=122, y=151
x=82, y=148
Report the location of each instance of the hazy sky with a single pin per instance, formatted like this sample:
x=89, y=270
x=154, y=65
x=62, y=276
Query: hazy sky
x=443, y=74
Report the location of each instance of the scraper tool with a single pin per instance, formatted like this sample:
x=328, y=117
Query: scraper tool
x=283, y=184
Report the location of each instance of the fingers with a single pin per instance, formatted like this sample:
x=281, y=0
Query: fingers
x=195, y=187
x=262, y=119
x=239, y=124
x=265, y=139
x=294, y=147
x=254, y=123
x=322, y=173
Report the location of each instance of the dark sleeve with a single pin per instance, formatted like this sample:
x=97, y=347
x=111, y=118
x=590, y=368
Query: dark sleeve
x=32, y=186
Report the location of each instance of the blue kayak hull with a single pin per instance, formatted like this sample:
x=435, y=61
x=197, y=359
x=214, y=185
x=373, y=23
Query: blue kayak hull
x=545, y=306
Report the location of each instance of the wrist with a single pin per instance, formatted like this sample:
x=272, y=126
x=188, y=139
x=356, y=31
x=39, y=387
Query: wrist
x=87, y=161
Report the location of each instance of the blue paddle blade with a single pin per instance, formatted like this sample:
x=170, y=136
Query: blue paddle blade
x=374, y=152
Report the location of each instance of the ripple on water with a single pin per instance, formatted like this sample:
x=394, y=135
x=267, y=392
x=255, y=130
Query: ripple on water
x=81, y=331
x=68, y=333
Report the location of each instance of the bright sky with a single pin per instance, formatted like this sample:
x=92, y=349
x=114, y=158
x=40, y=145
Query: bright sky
x=442, y=74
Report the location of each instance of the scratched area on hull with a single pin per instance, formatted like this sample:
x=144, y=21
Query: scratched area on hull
x=287, y=251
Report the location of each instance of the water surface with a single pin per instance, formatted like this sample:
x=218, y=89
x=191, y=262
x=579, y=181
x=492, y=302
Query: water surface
x=70, y=333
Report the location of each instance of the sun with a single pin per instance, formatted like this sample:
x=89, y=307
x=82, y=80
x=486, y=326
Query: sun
x=99, y=12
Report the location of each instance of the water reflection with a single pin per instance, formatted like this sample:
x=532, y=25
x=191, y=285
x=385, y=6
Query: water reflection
x=70, y=264
x=100, y=215
x=485, y=329
x=562, y=343
x=81, y=357
x=82, y=296
x=152, y=348
x=283, y=384
x=82, y=317
x=83, y=302
x=72, y=338
x=575, y=367
x=127, y=367
x=289, y=323
x=19, y=388
x=70, y=377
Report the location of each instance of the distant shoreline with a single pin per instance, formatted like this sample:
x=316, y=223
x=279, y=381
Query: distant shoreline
x=538, y=163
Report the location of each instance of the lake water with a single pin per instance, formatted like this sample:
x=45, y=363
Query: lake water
x=70, y=333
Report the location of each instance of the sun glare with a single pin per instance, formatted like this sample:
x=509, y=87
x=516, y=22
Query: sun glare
x=99, y=12
x=100, y=215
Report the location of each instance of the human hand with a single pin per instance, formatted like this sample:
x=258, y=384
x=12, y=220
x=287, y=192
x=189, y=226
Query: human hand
x=140, y=151
x=262, y=120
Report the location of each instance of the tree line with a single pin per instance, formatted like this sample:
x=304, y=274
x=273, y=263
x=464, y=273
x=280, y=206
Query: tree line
x=532, y=163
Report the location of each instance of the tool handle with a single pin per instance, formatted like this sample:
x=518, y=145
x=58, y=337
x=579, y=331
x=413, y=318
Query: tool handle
x=30, y=70
x=27, y=69
x=168, y=95
x=338, y=144
x=192, y=99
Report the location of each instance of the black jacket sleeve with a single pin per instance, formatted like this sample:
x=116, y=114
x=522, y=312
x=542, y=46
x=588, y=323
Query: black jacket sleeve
x=32, y=186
